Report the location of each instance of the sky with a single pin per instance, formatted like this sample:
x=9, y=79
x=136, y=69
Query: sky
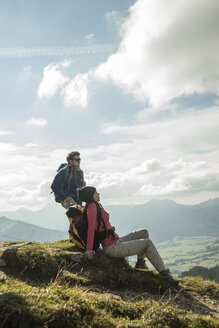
x=132, y=85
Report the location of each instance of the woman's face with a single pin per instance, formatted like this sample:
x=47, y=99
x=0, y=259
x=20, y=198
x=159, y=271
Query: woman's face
x=96, y=197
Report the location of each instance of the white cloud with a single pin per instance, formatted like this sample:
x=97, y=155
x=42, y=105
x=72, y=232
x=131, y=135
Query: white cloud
x=65, y=63
x=26, y=174
x=132, y=170
x=176, y=158
x=89, y=37
x=53, y=79
x=154, y=178
x=4, y=133
x=55, y=51
x=112, y=14
x=27, y=70
x=169, y=49
x=29, y=196
x=37, y=121
x=188, y=133
x=114, y=18
x=75, y=92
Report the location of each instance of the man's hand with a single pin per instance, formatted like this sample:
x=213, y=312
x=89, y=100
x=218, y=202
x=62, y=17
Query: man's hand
x=89, y=254
x=84, y=184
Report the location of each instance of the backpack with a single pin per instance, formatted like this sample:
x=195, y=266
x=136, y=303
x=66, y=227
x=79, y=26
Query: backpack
x=78, y=227
x=57, y=199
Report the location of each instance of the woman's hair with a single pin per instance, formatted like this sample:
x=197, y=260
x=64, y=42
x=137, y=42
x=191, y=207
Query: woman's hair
x=71, y=155
x=86, y=193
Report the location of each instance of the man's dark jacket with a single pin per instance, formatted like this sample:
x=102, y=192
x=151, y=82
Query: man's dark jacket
x=66, y=182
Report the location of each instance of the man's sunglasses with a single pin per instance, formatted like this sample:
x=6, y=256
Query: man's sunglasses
x=76, y=159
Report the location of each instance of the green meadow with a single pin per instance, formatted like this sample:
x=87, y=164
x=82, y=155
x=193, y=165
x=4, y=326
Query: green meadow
x=182, y=253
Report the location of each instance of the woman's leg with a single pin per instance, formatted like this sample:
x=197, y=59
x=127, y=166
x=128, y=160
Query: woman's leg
x=141, y=247
x=137, y=234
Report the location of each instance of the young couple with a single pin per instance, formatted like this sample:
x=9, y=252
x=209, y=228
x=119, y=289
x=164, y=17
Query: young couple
x=135, y=243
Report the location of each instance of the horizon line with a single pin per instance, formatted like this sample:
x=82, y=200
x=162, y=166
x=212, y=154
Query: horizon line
x=136, y=204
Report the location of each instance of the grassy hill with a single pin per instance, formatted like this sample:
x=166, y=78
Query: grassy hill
x=53, y=285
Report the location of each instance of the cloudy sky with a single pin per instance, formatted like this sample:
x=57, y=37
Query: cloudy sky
x=133, y=85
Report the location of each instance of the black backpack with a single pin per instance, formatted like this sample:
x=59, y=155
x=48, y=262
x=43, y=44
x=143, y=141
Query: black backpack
x=78, y=227
x=67, y=173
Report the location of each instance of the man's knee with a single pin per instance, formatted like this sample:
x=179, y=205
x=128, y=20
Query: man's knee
x=64, y=205
x=67, y=203
x=145, y=233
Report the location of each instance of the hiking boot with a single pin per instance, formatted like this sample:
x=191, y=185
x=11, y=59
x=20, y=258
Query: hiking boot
x=165, y=274
x=140, y=264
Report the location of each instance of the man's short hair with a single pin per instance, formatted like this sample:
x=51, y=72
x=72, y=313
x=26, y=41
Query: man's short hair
x=71, y=155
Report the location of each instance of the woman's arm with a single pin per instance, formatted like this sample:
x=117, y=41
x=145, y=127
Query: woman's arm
x=91, y=219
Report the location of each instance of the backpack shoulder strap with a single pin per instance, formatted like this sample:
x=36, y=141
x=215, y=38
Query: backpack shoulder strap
x=99, y=217
x=61, y=166
x=67, y=170
x=66, y=175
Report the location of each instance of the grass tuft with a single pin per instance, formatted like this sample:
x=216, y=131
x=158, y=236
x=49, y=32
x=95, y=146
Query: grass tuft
x=201, y=286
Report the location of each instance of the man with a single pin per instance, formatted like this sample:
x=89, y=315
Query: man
x=67, y=180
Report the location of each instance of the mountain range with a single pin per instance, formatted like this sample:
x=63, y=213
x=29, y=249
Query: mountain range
x=164, y=219
x=52, y=216
x=12, y=230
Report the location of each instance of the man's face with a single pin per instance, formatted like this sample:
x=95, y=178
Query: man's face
x=75, y=162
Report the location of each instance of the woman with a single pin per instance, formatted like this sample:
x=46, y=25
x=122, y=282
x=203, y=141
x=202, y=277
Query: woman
x=135, y=243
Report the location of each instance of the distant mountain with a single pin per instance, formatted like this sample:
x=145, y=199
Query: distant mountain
x=11, y=230
x=164, y=219
x=52, y=216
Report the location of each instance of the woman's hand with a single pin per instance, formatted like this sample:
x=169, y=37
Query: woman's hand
x=89, y=254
